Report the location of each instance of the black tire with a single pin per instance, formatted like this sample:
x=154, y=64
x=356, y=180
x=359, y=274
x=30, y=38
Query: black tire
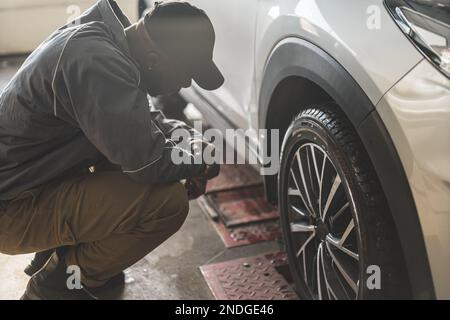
x=340, y=247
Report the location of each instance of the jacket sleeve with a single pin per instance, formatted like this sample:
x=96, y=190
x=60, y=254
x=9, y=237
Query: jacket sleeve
x=170, y=126
x=105, y=101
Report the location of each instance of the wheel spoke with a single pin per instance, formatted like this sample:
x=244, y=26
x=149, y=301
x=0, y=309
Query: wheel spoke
x=347, y=231
x=305, y=272
x=300, y=167
x=298, y=192
x=319, y=285
x=334, y=188
x=321, y=184
x=325, y=277
x=316, y=183
x=302, y=249
x=340, y=212
x=350, y=281
x=298, y=211
x=299, y=227
x=319, y=180
x=294, y=192
x=339, y=279
x=337, y=244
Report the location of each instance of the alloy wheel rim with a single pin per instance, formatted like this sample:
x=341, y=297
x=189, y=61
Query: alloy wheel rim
x=323, y=231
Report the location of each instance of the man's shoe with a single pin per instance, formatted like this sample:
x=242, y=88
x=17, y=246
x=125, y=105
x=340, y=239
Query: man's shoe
x=50, y=283
x=115, y=284
x=39, y=260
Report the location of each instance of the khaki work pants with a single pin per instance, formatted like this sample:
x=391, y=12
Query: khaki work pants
x=108, y=221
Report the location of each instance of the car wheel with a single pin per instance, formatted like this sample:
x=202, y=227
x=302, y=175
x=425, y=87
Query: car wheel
x=337, y=228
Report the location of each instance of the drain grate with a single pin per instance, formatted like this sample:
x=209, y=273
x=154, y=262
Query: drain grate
x=255, y=278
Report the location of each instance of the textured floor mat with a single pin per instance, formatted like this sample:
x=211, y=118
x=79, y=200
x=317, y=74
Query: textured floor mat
x=255, y=278
x=248, y=234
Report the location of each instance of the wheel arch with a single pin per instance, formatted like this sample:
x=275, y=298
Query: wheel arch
x=298, y=74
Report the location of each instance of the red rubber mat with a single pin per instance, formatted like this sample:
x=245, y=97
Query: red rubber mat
x=255, y=278
x=236, y=203
x=244, y=234
x=242, y=206
x=234, y=177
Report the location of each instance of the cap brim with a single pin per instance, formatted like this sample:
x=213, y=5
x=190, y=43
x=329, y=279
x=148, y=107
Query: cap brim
x=208, y=76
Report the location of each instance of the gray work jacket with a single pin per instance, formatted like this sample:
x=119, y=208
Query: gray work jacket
x=77, y=100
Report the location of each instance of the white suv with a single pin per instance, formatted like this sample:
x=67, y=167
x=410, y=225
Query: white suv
x=361, y=93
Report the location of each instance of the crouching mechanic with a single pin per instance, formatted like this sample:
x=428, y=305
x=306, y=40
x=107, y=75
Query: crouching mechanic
x=80, y=101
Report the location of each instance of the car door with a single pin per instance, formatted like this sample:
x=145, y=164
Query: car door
x=234, y=22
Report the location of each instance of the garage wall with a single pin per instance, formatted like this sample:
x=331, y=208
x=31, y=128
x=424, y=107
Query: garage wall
x=24, y=24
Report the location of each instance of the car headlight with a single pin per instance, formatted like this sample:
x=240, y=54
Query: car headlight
x=427, y=24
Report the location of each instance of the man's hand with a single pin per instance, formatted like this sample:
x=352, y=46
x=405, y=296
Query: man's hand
x=196, y=186
x=198, y=146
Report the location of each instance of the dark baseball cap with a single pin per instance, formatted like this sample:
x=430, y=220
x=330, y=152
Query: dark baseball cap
x=185, y=33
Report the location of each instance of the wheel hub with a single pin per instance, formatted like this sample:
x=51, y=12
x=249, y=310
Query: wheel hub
x=322, y=230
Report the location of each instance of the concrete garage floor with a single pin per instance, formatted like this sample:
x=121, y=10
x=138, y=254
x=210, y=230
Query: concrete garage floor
x=170, y=272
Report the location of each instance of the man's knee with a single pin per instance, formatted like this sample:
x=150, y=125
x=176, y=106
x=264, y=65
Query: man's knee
x=178, y=203
x=174, y=205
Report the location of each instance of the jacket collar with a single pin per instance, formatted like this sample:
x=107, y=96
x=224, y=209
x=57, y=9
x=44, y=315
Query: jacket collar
x=114, y=17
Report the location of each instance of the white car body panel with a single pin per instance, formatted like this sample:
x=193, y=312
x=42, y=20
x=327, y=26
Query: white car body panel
x=243, y=49
x=34, y=20
x=248, y=31
x=321, y=22
x=417, y=114
x=234, y=54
